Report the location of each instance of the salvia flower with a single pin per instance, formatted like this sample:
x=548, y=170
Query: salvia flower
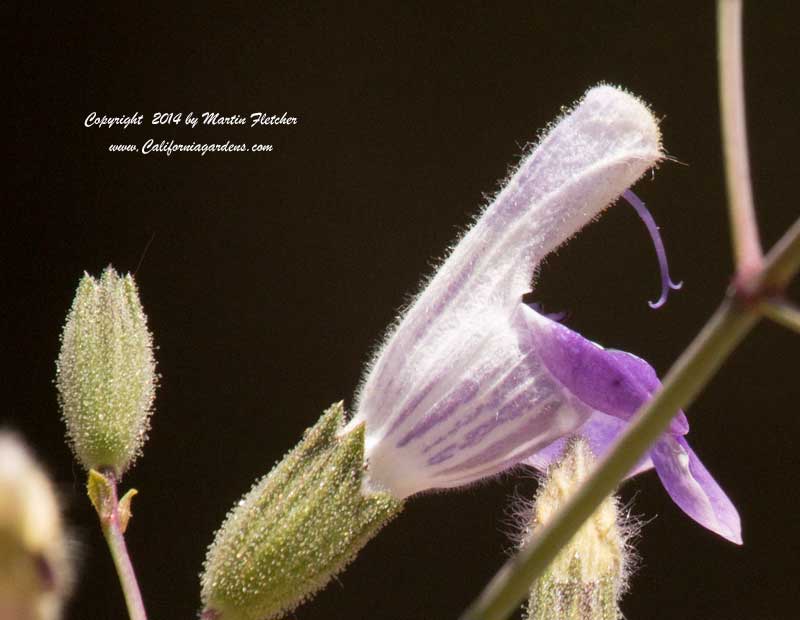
x=106, y=375
x=461, y=389
x=472, y=380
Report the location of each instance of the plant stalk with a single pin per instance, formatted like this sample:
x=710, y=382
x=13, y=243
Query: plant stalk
x=783, y=313
x=112, y=531
x=744, y=229
x=783, y=262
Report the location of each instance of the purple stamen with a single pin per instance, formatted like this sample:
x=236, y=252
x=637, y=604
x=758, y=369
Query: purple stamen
x=666, y=282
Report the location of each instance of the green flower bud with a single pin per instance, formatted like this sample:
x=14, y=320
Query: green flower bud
x=296, y=528
x=106, y=375
x=35, y=571
x=588, y=576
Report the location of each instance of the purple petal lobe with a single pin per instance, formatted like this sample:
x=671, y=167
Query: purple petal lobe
x=666, y=282
x=691, y=487
x=612, y=382
x=643, y=373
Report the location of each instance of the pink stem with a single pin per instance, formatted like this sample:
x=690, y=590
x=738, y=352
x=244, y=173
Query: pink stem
x=119, y=553
x=744, y=228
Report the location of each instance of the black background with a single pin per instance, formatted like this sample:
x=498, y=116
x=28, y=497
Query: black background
x=272, y=276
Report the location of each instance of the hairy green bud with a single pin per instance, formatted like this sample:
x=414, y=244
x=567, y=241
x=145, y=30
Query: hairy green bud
x=106, y=374
x=296, y=528
x=587, y=577
x=35, y=568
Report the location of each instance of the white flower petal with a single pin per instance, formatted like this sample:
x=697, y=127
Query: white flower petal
x=458, y=392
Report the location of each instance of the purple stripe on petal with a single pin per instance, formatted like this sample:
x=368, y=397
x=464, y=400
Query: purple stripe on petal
x=435, y=420
x=456, y=399
x=525, y=371
x=499, y=394
x=454, y=287
x=439, y=440
x=542, y=423
x=499, y=409
x=521, y=404
x=409, y=408
x=443, y=455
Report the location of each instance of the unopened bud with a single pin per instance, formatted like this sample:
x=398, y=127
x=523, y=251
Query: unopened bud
x=296, y=528
x=587, y=577
x=35, y=574
x=106, y=374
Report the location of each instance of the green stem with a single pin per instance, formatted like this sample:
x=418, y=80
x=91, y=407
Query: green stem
x=783, y=313
x=783, y=262
x=112, y=532
x=687, y=377
x=744, y=229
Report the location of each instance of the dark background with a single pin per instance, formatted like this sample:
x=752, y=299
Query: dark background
x=272, y=276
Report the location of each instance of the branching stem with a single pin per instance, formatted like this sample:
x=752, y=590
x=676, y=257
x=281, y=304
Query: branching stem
x=783, y=313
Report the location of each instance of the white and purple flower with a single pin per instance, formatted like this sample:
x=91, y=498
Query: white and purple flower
x=472, y=381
